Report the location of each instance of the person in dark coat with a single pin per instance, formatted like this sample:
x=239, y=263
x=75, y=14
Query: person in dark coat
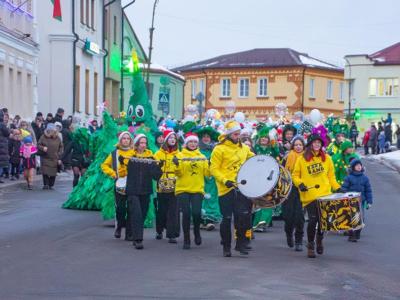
x=373, y=139
x=14, y=145
x=59, y=115
x=38, y=127
x=357, y=181
x=4, y=155
x=52, y=148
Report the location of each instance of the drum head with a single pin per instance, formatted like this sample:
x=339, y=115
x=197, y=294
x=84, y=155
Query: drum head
x=258, y=176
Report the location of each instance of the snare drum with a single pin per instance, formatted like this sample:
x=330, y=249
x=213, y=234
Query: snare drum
x=340, y=212
x=264, y=181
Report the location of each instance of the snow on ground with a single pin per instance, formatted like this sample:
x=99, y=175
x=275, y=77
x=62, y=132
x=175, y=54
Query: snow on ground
x=391, y=159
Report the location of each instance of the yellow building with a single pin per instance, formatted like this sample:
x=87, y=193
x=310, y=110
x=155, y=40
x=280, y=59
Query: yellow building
x=258, y=79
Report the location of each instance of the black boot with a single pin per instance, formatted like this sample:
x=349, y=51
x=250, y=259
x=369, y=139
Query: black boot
x=358, y=234
x=310, y=250
x=227, y=251
x=197, y=240
x=320, y=246
x=298, y=247
x=289, y=240
x=159, y=236
x=117, y=233
x=138, y=245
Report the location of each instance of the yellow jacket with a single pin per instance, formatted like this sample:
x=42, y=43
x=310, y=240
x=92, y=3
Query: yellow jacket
x=190, y=174
x=107, y=165
x=169, y=168
x=312, y=173
x=226, y=160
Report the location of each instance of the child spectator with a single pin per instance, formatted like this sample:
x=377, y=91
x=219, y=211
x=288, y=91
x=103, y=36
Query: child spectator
x=14, y=145
x=28, y=153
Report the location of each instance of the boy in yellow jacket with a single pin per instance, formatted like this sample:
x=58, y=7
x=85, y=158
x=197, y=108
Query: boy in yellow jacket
x=191, y=168
x=314, y=175
x=112, y=167
x=226, y=159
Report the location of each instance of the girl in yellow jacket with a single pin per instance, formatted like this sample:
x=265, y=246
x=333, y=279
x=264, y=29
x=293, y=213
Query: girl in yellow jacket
x=314, y=175
x=112, y=167
x=191, y=168
x=165, y=204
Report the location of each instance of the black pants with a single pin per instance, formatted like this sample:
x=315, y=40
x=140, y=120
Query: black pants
x=138, y=206
x=122, y=215
x=366, y=149
x=15, y=170
x=293, y=215
x=167, y=214
x=234, y=203
x=190, y=206
x=49, y=180
x=313, y=221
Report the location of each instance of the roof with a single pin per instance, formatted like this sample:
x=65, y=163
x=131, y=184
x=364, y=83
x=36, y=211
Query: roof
x=387, y=56
x=265, y=57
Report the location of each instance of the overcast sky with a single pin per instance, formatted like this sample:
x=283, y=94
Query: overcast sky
x=188, y=31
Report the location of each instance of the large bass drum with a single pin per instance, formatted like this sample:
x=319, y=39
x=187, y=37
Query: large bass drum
x=264, y=181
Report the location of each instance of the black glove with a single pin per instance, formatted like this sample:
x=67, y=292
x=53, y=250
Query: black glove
x=302, y=187
x=121, y=159
x=161, y=163
x=175, y=160
x=229, y=184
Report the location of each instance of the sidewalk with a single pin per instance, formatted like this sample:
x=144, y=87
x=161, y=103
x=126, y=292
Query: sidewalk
x=36, y=178
x=390, y=159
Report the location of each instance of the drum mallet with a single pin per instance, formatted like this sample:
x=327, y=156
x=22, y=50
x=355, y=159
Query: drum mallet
x=313, y=187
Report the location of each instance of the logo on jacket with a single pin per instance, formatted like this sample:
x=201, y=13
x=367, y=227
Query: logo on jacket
x=315, y=169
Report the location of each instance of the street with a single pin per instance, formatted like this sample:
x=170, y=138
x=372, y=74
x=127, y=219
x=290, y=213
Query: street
x=51, y=253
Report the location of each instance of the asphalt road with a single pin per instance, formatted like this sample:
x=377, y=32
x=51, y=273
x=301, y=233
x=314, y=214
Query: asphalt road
x=50, y=253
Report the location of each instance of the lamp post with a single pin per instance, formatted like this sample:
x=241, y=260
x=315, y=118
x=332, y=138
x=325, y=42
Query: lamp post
x=150, y=48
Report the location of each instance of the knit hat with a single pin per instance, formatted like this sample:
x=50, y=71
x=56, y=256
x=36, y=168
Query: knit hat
x=58, y=124
x=138, y=137
x=27, y=140
x=296, y=138
x=346, y=145
x=208, y=130
x=190, y=136
x=231, y=127
x=122, y=134
x=313, y=138
x=355, y=162
x=51, y=126
x=167, y=133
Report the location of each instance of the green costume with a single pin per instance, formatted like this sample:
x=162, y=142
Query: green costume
x=341, y=161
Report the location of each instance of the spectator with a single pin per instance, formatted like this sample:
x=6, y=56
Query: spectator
x=397, y=133
x=28, y=153
x=373, y=138
x=49, y=119
x=27, y=130
x=381, y=142
x=380, y=127
x=4, y=134
x=14, y=145
x=354, y=133
x=38, y=127
x=388, y=133
x=6, y=119
x=59, y=115
x=365, y=141
x=388, y=119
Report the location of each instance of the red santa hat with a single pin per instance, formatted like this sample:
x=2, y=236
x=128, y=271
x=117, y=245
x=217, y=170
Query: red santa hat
x=190, y=136
x=167, y=133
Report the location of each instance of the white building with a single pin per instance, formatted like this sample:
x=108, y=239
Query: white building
x=374, y=85
x=18, y=57
x=71, y=57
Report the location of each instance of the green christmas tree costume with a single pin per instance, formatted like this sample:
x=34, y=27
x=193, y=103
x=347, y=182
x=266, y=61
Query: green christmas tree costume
x=341, y=161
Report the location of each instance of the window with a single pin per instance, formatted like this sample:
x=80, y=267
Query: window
x=329, y=90
x=262, y=87
x=87, y=86
x=83, y=11
x=225, y=87
x=202, y=86
x=95, y=100
x=312, y=88
x=383, y=87
x=87, y=11
x=115, y=30
x=77, y=89
x=93, y=10
x=194, y=88
x=341, y=91
x=244, y=87
x=107, y=24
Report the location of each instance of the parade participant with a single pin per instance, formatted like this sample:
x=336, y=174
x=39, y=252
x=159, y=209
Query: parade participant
x=289, y=131
x=211, y=215
x=165, y=203
x=226, y=160
x=159, y=139
x=341, y=160
x=292, y=210
x=334, y=146
x=357, y=181
x=51, y=149
x=139, y=186
x=28, y=153
x=314, y=169
x=113, y=168
x=191, y=168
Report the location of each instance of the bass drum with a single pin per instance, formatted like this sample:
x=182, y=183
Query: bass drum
x=264, y=181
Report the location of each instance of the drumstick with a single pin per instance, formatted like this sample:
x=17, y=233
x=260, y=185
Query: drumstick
x=270, y=175
x=313, y=187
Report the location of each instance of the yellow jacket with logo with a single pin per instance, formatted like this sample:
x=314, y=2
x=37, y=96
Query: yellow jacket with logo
x=312, y=173
x=169, y=168
x=226, y=160
x=190, y=174
x=107, y=165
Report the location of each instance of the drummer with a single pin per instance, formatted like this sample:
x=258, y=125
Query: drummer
x=226, y=160
x=314, y=175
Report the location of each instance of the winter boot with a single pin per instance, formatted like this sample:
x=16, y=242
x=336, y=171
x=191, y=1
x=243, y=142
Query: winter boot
x=117, y=233
x=320, y=246
x=298, y=247
x=310, y=250
x=289, y=240
x=227, y=251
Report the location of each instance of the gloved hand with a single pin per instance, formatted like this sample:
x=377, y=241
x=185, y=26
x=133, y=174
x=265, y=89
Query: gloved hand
x=121, y=159
x=161, y=163
x=229, y=184
x=369, y=206
x=302, y=187
x=175, y=160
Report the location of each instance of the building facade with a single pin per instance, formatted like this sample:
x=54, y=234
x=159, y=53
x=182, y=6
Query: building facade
x=258, y=79
x=71, y=57
x=18, y=57
x=373, y=81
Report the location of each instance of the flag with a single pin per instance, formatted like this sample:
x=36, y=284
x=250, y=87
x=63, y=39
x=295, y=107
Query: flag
x=57, y=9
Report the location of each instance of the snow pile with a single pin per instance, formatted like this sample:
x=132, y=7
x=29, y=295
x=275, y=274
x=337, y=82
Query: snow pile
x=312, y=62
x=391, y=159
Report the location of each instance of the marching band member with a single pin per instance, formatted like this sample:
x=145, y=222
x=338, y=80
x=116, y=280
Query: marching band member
x=292, y=211
x=191, y=168
x=166, y=204
x=113, y=168
x=314, y=175
x=226, y=160
x=289, y=131
x=139, y=187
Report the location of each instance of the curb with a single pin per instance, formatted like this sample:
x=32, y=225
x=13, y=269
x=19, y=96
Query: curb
x=8, y=183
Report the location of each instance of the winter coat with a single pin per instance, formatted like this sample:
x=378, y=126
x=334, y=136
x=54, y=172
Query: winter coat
x=388, y=134
x=190, y=174
x=141, y=174
x=373, y=137
x=28, y=156
x=366, y=138
x=37, y=130
x=312, y=173
x=13, y=150
x=4, y=155
x=226, y=160
x=49, y=161
x=358, y=182
x=381, y=140
x=168, y=168
x=107, y=165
